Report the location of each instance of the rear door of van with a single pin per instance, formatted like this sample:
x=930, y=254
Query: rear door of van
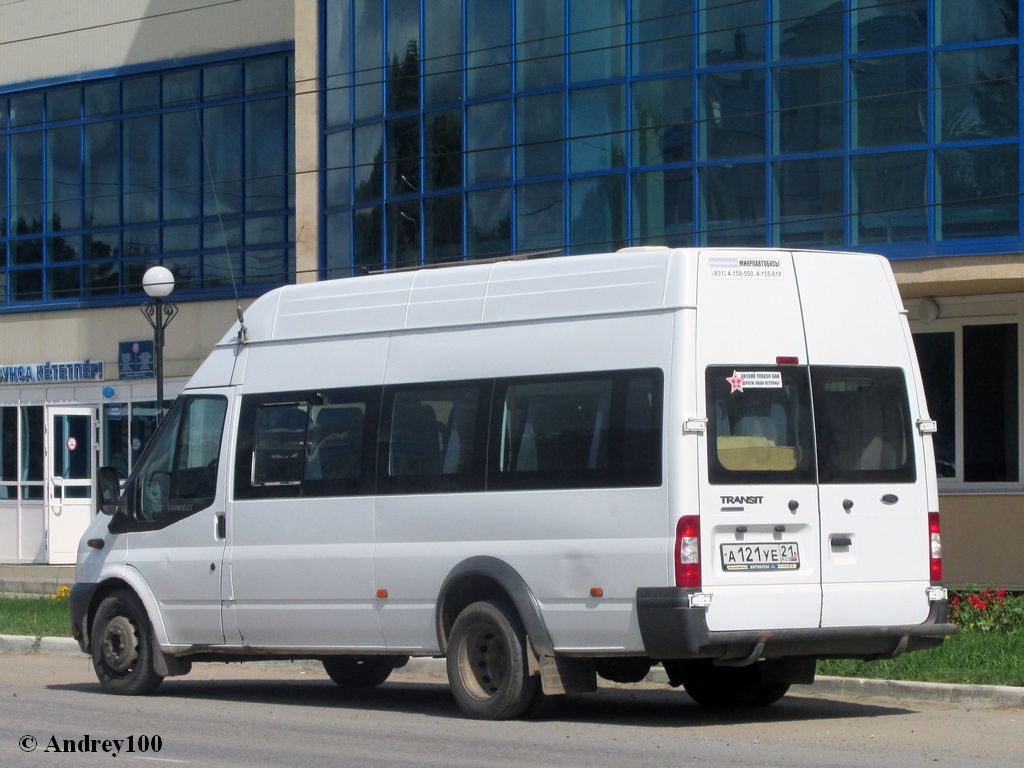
x=813, y=493
x=873, y=464
x=760, y=525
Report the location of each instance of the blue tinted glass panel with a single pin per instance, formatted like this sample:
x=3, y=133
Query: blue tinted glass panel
x=597, y=40
x=488, y=142
x=64, y=282
x=540, y=126
x=443, y=159
x=338, y=66
x=339, y=169
x=403, y=233
x=182, y=154
x=489, y=222
x=65, y=104
x=368, y=172
x=977, y=192
x=732, y=204
x=968, y=21
x=403, y=55
x=266, y=150
x=403, y=153
x=140, y=93
x=889, y=190
x=218, y=234
x=369, y=51
x=141, y=242
x=102, y=171
x=442, y=43
x=663, y=207
x=27, y=109
x=27, y=252
x=140, y=173
x=222, y=127
x=368, y=238
x=64, y=248
x=101, y=99
x=732, y=32
x=597, y=122
x=732, y=114
x=339, y=245
x=26, y=285
x=540, y=217
x=890, y=101
x=598, y=210
x=64, y=179
x=184, y=237
x=810, y=203
x=264, y=231
x=102, y=246
x=977, y=93
x=540, y=44
x=662, y=121
x=488, y=47
x=442, y=228
x=265, y=76
x=223, y=81
x=3, y=201
x=102, y=279
x=662, y=33
x=180, y=88
x=807, y=28
x=885, y=24
x=810, y=108
x=26, y=188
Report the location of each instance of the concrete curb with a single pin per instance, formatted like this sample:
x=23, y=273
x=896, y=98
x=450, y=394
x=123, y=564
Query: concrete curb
x=847, y=687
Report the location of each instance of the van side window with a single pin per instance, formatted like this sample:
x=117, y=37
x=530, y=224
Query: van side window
x=316, y=443
x=863, y=425
x=177, y=474
x=759, y=425
x=279, y=455
x=579, y=431
x=433, y=438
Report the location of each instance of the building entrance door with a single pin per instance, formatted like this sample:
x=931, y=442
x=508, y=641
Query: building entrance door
x=70, y=477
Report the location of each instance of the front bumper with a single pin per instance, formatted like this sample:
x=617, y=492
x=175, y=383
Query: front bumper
x=671, y=629
x=81, y=598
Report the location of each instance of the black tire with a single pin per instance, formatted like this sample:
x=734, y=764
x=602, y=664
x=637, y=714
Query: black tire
x=122, y=646
x=361, y=672
x=720, y=687
x=769, y=694
x=488, y=670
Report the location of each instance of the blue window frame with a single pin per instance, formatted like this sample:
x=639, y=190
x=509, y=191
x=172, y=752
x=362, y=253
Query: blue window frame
x=568, y=127
x=188, y=167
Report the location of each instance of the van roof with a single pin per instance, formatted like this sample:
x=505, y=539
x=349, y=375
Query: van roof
x=476, y=294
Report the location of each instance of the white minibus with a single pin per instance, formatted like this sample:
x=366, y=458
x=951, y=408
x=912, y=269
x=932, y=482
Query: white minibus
x=544, y=471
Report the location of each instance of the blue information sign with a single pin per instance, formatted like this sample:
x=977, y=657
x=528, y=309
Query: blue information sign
x=135, y=360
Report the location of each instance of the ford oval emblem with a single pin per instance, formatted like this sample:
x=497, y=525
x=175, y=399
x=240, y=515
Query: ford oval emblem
x=890, y=498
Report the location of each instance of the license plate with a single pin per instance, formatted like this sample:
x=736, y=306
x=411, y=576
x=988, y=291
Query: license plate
x=762, y=556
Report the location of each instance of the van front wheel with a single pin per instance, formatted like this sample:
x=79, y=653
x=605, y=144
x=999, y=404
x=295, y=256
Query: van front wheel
x=122, y=646
x=488, y=670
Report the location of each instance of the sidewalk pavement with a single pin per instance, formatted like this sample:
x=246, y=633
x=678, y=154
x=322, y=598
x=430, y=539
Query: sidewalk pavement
x=846, y=687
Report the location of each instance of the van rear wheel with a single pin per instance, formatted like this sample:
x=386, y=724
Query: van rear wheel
x=122, y=646
x=488, y=670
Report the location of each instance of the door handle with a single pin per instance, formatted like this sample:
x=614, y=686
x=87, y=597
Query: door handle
x=222, y=527
x=841, y=541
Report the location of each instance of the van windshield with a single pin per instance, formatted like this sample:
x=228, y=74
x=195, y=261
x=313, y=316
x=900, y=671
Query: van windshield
x=793, y=424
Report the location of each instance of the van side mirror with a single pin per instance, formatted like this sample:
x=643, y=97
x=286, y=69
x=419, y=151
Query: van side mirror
x=108, y=490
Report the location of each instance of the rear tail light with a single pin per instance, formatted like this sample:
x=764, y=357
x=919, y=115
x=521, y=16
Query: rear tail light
x=935, y=544
x=687, y=552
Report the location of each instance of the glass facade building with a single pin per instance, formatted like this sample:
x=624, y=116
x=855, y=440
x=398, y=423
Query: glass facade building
x=190, y=167
x=457, y=129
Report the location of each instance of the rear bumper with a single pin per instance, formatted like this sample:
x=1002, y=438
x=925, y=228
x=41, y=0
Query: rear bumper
x=671, y=629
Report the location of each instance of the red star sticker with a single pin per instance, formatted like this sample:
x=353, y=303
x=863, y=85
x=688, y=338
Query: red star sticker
x=736, y=382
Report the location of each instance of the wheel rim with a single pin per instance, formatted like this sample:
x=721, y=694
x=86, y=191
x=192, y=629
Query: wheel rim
x=120, y=645
x=484, y=661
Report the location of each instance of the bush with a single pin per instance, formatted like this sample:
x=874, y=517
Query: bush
x=989, y=610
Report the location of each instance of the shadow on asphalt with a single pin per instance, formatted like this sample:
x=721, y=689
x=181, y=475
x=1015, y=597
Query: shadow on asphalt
x=636, y=707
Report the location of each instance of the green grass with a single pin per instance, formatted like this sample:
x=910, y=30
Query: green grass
x=984, y=658
x=35, y=616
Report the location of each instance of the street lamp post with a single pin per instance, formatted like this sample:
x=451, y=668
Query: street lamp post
x=158, y=282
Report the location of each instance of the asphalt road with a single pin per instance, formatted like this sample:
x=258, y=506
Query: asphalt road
x=291, y=715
